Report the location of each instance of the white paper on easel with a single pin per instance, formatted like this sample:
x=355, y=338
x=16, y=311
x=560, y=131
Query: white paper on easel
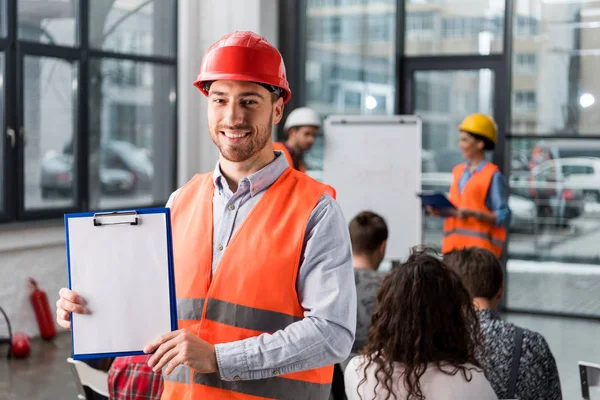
x=122, y=272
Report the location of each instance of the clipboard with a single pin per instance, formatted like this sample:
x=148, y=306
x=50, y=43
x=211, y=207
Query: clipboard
x=436, y=200
x=121, y=263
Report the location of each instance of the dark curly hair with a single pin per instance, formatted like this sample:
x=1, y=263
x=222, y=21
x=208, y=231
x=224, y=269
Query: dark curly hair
x=423, y=315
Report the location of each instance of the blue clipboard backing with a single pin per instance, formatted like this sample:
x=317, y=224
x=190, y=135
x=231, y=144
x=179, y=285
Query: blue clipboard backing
x=171, y=273
x=436, y=200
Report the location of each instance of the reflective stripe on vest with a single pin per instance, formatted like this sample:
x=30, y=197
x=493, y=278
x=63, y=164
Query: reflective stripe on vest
x=253, y=289
x=481, y=235
x=276, y=388
x=235, y=315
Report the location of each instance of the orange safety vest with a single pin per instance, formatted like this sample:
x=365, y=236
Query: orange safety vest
x=253, y=290
x=471, y=232
x=281, y=147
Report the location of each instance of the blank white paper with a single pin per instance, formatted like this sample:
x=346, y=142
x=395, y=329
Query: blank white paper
x=122, y=273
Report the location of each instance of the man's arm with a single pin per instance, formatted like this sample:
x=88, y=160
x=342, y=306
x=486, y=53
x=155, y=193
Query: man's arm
x=327, y=293
x=497, y=200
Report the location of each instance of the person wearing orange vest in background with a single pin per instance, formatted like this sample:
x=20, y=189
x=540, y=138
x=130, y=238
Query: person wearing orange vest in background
x=301, y=127
x=478, y=190
x=263, y=263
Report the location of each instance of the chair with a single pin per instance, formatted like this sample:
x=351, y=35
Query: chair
x=589, y=376
x=87, y=377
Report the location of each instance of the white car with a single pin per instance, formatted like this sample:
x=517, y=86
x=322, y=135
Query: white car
x=579, y=173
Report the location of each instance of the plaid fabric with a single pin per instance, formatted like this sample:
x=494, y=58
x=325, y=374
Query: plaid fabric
x=130, y=378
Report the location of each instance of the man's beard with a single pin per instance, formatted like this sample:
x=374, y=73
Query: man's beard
x=257, y=141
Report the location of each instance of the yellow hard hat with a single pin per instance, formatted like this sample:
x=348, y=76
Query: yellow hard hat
x=480, y=124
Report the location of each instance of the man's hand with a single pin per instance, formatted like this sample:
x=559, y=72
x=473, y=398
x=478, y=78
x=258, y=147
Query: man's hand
x=182, y=348
x=68, y=302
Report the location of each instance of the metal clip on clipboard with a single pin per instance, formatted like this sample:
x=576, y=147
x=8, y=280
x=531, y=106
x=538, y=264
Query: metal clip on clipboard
x=117, y=217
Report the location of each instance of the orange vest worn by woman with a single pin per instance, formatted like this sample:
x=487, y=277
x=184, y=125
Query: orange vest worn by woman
x=253, y=290
x=281, y=147
x=471, y=232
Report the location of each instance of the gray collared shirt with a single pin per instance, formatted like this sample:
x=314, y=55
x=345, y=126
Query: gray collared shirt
x=325, y=285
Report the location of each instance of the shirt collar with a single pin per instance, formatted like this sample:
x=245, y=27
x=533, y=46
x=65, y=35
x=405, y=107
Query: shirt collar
x=260, y=180
x=479, y=166
x=488, y=314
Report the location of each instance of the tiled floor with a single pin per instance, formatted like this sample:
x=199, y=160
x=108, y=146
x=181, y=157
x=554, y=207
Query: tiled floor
x=45, y=375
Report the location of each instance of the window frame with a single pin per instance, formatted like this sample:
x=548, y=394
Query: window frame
x=81, y=53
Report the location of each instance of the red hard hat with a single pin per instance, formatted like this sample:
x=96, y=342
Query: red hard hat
x=244, y=56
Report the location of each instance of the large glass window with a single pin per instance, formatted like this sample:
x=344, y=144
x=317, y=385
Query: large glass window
x=350, y=60
x=50, y=116
x=443, y=99
x=2, y=127
x=133, y=114
x=435, y=27
x=133, y=26
x=558, y=179
x=558, y=41
x=107, y=142
x=3, y=17
x=52, y=22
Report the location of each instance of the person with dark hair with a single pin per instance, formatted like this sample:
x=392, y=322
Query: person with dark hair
x=368, y=234
x=422, y=340
x=301, y=127
x=478, y=190
x=517, y=361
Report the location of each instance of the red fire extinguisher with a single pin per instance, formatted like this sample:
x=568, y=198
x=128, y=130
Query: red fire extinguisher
x=39, y=301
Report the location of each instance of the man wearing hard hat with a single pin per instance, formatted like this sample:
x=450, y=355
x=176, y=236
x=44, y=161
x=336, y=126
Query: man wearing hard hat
x=478, y=190
x=301, y=127
x=263, y=267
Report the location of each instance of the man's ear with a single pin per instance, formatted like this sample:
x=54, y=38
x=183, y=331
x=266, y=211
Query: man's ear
x=382, y=248
x=277, y=110
x=500, y=293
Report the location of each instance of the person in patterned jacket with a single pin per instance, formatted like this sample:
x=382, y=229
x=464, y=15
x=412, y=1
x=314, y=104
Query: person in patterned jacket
x=526, y=371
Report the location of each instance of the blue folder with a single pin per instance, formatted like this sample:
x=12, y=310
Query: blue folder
x=134, y=219
x=435, y=200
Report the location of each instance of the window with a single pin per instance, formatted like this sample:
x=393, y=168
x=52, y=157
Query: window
x=577, y=170
x=350, y=59
x=54, y=23
x=433, y=27
x=526, y=62
x=2, y=126
x=526, y=25
x=103, y=143
x=133, y=26
x=524, y=101
x=3, y=14
x=435, y=103
x=134, y=111
x=419, y=25
x=561, y=39
x=50, y=111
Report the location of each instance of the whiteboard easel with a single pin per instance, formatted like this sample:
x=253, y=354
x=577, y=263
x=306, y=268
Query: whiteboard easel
x=374, y=164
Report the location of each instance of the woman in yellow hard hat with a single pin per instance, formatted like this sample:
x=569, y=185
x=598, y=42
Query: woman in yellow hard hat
x=478, y=190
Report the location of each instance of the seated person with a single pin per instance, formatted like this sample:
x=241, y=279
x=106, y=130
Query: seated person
x=368, y=234
x=130, y=378
x=422, y=339
x=535, y=376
